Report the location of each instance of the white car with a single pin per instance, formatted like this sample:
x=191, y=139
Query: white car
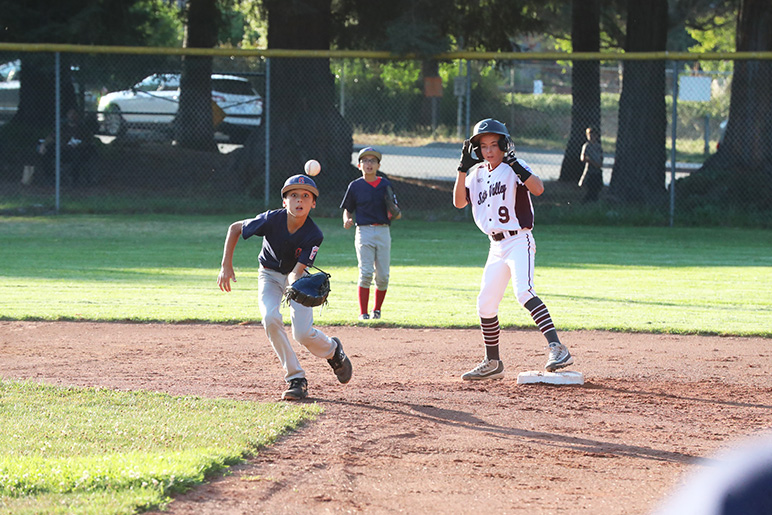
x=9, y=88
x=153, y=103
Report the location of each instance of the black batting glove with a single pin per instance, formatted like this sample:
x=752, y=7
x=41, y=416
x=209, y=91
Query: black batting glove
x=467, y=160
x=511, y=160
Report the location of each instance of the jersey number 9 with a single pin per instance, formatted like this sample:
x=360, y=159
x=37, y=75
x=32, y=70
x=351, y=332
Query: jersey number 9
x=503, y=214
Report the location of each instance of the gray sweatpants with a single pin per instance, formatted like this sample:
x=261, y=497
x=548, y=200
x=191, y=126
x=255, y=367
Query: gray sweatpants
x=373, y=245
x=271, y=285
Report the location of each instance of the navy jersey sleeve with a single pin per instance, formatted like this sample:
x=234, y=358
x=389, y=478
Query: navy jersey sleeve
x=349, y=202
x=281, y=251
x=255, y=226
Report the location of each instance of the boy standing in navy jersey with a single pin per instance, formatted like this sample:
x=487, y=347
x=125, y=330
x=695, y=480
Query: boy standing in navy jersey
x=365, y=200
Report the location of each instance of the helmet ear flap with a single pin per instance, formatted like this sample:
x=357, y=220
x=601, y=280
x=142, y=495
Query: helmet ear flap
x=503, y=144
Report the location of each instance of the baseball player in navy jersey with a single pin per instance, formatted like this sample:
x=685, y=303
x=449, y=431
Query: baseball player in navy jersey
x=498, y=187
x=290, y=243
x=365, y=200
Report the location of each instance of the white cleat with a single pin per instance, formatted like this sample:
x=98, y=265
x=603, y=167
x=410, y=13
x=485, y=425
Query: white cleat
x=487, y=369
x=559, y=357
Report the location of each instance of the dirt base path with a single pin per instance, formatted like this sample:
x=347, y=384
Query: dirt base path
x=408, y=435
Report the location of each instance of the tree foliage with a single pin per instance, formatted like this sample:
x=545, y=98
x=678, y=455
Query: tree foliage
x=87, y=22
x=433, y=26
x=719, y=36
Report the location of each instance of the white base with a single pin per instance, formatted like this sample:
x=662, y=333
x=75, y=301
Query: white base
x=535, y=376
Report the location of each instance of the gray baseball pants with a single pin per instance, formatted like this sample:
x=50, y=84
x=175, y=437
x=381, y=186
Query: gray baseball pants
x=271, y=286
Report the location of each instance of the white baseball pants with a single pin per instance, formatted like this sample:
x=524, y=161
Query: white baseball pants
x=511, y=258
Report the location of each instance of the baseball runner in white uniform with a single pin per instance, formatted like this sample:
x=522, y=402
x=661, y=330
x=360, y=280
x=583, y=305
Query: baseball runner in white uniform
x=498, y=187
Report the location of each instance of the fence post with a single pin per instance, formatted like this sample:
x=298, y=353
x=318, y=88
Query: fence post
x=706, y=149
x=458, y=86
x=468, y=96
x=343, y=89
x=267, y=119
x=673, y=131
x=58, y=129
x=512, y=96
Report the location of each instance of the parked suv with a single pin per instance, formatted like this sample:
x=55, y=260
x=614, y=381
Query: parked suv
x=153, y=103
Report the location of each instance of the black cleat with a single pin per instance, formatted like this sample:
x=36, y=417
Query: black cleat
x=340, y=363
x=298, y=389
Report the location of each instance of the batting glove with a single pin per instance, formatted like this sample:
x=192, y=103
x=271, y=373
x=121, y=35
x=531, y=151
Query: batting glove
x=467, y=160
x=520, y=170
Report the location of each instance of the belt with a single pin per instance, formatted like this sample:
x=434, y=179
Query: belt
x=501, y=235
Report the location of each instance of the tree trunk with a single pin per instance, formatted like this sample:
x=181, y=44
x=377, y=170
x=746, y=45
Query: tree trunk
x=585, y=91
x=639, y=167
x=747, y=143
x=193, y=126
x=37, y=92
x=739, y=175
x=36, y=111
x=305, y=123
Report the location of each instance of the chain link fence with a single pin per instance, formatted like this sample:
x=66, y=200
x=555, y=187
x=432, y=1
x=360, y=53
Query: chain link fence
x=118, y=145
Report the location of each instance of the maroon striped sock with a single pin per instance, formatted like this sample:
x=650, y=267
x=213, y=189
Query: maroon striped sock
x=491, y=330
x=541, y=316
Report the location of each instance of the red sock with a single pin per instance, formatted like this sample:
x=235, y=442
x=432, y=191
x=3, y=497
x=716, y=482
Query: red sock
x=364, y=298
x=379, y=296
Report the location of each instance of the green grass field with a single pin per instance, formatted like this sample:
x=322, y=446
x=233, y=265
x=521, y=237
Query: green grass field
x=83, y=450
x=164, y=268
x=68, y=450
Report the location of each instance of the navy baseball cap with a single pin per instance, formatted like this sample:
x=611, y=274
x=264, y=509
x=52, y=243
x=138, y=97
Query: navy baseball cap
x=369, y=151
x=300, y=182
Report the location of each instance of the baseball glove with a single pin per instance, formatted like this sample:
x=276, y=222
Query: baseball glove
x=310, y=290
x=395, y=213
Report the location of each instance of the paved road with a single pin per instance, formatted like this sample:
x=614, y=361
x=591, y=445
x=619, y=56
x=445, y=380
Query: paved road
x=439, y=162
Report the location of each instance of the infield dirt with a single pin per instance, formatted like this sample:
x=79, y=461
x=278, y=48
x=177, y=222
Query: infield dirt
x=407, y=435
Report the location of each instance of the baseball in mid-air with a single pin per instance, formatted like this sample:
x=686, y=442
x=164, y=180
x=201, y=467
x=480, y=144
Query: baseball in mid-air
x=313, y=167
